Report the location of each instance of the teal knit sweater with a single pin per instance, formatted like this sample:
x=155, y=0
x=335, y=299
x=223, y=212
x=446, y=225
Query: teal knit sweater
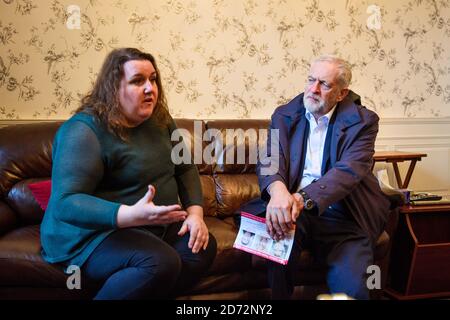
x=94, y=172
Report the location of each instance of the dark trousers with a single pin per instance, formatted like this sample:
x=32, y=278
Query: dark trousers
x=136, y=263
x=335, y=241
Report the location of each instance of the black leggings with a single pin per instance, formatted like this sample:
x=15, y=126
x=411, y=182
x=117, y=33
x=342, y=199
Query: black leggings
x=134, y=263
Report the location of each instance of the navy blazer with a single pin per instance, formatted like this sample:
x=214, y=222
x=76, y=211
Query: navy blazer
x=347, y=165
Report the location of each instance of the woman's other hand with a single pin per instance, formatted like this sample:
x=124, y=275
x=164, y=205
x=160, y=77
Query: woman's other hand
x=196, y=226
x=145, y=212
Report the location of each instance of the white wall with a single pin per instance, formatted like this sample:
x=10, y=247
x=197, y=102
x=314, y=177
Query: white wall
x=424, y=135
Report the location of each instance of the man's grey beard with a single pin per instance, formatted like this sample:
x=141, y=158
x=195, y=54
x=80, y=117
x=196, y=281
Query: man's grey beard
x=312, y=106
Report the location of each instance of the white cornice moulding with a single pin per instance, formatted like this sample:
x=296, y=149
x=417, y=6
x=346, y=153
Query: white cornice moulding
x=4, y=123
x=415, y=137
x=30, y=120
x=406, y=121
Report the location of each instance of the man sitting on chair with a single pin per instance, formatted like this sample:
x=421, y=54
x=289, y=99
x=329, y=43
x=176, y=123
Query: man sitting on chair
x=324, y=186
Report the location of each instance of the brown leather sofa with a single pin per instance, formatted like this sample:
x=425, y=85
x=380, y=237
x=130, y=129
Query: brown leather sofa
x=25, y=157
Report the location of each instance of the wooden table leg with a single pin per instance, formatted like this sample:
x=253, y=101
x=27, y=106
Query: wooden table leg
x=397, y=175
x=409, y=174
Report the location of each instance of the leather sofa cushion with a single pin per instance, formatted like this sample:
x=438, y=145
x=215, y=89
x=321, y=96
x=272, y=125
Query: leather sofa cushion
x=190, y=125
x=228, y=259
x=232, y=190
x=26, y=152
x=246, y=137
x=21, y=263
x=209, y=195
x=8, y=218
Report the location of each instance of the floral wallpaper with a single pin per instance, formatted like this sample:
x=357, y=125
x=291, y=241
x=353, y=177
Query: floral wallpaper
x=226, y=58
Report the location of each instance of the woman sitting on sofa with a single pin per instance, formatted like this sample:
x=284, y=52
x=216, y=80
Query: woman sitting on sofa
x=114, y=209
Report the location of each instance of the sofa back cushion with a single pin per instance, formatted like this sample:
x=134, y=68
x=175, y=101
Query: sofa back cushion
x=192, y=131
x=234, y=171
x=25, y=153
x=233, y=190
x=209, y=195
x=239, y=142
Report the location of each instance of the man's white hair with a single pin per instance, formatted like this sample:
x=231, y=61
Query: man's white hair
x=345, y=69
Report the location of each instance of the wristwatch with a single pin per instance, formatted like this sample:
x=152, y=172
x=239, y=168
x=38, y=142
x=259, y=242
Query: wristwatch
x=308, y=203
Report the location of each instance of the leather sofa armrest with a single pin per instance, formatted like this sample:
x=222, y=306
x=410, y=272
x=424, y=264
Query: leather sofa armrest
x=396, y=200
x=8, y=219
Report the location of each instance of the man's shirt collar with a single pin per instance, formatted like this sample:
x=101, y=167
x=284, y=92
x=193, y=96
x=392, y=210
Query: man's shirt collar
x=323, y=119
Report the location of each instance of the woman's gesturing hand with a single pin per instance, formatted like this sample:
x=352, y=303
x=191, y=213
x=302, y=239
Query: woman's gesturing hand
x=145, y=212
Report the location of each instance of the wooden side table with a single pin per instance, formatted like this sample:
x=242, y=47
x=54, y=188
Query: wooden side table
x=399, y=156
x=420, y=256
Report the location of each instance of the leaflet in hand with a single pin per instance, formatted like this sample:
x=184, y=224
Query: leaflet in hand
x=253, y=238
